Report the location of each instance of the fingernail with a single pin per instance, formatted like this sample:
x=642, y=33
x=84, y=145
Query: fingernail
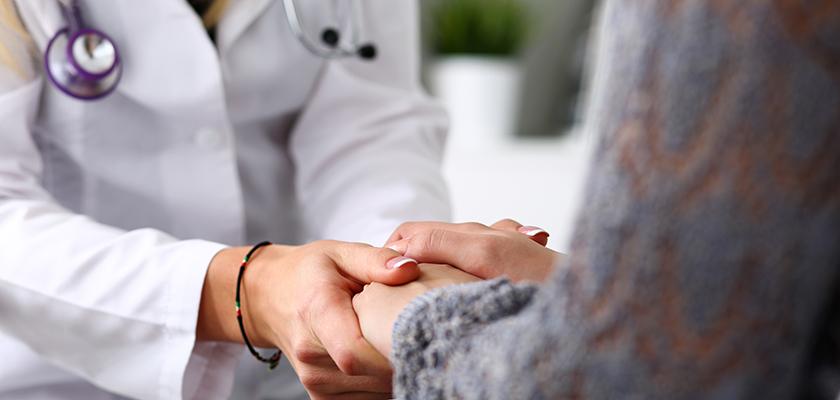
x=400, y=261
x=532, y=231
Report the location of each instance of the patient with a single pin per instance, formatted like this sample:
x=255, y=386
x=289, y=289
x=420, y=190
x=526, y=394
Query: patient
x=707, y=256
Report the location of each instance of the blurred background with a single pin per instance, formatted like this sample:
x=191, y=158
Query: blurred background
x=512, y=74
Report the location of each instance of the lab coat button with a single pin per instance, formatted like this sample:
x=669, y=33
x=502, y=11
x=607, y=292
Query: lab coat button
x=209, y=138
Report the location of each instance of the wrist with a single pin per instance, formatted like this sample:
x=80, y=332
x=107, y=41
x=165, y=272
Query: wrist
x=551, y=259
x=217, y=316
x=256, y=297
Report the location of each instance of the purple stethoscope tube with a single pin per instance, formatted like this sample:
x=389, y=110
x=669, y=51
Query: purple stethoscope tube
x=82, y=62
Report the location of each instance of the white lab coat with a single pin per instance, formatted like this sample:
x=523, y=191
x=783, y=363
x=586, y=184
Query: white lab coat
x=111, y=210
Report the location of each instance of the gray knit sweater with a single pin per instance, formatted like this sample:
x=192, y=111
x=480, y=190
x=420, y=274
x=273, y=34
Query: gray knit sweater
x=706, y=260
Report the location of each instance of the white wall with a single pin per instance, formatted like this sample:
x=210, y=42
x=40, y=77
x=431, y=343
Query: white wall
x=536, y=182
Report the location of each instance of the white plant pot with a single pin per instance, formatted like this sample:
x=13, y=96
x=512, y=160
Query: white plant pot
x=481, y=95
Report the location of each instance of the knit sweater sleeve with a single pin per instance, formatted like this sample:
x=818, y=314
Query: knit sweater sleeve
x=705, y=257
x=450, y=316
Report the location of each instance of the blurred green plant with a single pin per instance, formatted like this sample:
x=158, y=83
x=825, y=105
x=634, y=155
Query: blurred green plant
x=486, y=27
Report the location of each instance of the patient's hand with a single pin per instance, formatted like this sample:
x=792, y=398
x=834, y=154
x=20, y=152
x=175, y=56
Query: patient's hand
x=378, y=305
x=484, y=251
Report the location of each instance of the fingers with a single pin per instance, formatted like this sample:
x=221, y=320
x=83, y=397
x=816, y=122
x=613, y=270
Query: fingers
x=350, y=396
x=536, y=234
x=441, y=246
x=336, y=326
x=409, y=229
x=507, y=224
x=329, y=381
x=362, y=396
x=369, y=264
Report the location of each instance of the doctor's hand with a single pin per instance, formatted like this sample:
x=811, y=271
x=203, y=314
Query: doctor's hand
x=505, y=248
x=299, y=299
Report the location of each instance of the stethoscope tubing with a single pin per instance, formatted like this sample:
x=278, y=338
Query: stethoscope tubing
x=295, y=25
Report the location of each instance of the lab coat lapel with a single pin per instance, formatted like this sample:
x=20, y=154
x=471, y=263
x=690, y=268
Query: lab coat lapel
x=169, y=62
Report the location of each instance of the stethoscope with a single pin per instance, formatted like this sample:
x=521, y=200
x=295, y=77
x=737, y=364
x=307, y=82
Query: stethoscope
x=84, y=62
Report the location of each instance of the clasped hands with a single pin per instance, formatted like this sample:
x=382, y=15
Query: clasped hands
x=330, y=306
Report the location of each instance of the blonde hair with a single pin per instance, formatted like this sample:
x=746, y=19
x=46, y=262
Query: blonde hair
x=15, y=41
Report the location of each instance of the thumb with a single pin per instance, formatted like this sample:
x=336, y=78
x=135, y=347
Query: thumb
x=368, y=264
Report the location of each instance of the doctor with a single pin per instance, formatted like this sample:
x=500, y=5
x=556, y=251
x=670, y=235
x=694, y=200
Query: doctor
x=222, y=124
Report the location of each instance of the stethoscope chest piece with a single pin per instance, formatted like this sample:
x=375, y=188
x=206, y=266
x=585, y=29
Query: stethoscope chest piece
x=82, y=62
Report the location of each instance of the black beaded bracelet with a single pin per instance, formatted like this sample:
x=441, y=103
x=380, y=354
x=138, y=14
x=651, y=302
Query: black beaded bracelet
x=275, y=358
